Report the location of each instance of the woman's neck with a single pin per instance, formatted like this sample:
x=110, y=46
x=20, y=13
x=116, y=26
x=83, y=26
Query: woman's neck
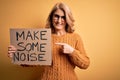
x=60, y=32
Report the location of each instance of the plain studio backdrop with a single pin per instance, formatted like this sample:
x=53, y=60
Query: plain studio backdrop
x=97, y=21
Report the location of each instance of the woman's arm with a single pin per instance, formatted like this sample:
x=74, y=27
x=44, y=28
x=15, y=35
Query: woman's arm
x=79, y=57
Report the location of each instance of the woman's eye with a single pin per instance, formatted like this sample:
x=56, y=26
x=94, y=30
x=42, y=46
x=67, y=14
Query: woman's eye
x=57, y=16
x=63, y=17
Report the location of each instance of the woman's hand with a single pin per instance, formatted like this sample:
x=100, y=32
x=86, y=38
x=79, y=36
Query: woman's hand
x=11, y=51
x=67, y=49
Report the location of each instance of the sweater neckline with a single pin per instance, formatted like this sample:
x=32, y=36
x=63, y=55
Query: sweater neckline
x=59, y=36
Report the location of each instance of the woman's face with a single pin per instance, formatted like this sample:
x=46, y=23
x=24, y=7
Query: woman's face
x=58, y=20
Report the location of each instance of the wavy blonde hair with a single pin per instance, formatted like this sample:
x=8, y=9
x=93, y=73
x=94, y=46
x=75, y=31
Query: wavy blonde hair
x=68, y=17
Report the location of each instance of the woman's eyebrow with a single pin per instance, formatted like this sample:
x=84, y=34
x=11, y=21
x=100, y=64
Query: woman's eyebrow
x=59, y=15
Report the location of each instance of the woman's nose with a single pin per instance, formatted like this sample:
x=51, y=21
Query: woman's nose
x=59, y=20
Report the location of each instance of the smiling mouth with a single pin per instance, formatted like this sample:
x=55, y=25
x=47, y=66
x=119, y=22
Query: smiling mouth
x=59, y=24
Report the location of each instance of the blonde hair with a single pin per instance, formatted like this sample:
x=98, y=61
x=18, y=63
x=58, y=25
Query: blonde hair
x=69, y=18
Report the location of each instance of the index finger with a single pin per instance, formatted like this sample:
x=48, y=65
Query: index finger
x=60, y=43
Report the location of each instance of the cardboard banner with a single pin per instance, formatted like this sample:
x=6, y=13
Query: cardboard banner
x=33, y=46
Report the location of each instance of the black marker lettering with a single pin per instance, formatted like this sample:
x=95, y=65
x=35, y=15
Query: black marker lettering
x=18, y=35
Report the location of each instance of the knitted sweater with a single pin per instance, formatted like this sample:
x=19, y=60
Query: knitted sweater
x=63, y=65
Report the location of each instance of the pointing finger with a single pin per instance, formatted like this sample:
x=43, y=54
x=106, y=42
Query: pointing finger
x=60, y=44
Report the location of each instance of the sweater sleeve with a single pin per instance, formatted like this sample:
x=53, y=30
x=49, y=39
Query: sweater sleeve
x=79, y=57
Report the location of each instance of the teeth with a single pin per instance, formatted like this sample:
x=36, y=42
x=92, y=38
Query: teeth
x=59, y=24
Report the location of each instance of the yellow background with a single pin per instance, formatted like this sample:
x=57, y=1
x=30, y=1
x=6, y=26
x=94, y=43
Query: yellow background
x=97, y=21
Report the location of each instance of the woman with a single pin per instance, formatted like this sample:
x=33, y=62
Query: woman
x=67, y=47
